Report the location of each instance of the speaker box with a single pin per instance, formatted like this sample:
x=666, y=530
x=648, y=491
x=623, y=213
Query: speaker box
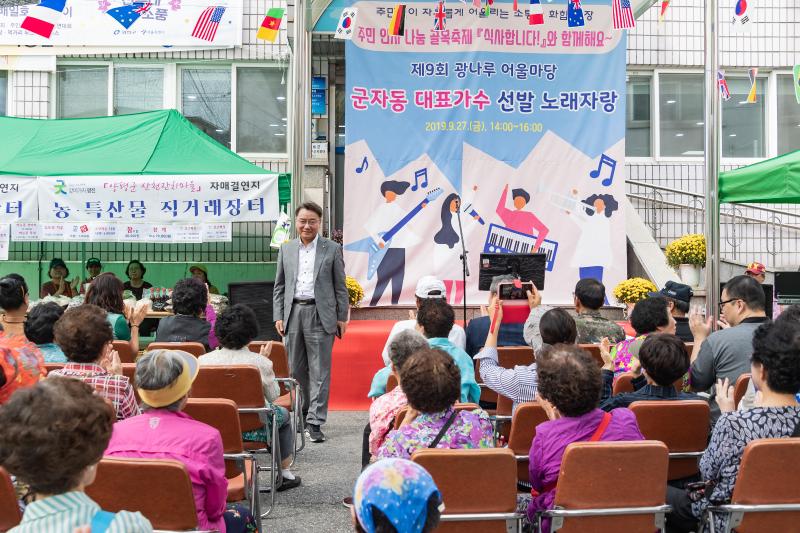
x=257, y=295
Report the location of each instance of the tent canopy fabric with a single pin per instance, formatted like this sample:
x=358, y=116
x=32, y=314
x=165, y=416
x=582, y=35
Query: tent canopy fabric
x=155, y=142
x=774, y=181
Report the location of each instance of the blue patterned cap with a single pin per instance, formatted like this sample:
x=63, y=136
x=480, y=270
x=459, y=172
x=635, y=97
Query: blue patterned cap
x=400, y=489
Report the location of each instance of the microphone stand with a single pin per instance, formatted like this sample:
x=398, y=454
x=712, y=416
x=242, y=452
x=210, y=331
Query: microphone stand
x=463, y=257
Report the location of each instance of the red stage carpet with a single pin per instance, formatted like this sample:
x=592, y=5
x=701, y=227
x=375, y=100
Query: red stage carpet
x=356, y=358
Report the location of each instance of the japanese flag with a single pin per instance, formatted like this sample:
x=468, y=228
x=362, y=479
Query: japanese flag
x=347, y=23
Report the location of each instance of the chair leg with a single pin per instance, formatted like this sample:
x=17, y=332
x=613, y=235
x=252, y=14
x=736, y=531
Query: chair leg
x=299, y=423
x=274, y=481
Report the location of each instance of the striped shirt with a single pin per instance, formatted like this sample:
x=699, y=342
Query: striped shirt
x=518, y=384
x=64, y=512
x=116, y=389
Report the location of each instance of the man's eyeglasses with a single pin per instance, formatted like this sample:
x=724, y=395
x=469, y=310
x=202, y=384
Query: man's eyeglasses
x=722, y=304
x=310, y=222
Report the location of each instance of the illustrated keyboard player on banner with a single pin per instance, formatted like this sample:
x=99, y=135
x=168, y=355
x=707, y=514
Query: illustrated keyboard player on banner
x=517, y=219
x=502, y=240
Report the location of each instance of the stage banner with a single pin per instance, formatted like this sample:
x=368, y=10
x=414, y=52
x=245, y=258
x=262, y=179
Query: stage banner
x=18, y=199
x=511, y=121
x=123, y=23
x=212, y=198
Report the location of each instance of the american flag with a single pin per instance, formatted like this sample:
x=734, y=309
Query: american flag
x=622, y=14
x=208, y=22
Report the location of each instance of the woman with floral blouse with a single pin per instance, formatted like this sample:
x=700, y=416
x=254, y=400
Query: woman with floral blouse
x=432, y=383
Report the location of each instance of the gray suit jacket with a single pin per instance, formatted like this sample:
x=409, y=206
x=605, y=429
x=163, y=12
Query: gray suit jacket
x=330, y=290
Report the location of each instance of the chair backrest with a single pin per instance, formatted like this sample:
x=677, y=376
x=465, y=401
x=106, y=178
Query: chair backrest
x=624, y=383
x=129, y=371
x=126, y=353
x=221, y=414
x=53, y=366
x=238, y=383
x=158, y=488
x=511, y=356
x=740, y=388
x=523, y=428
x=195, y=348
x=594, y=351
x=459, y=473
x=682, y=425
x=279, y=357
x=401, y=414
x=593, y=472
x=768, y=475
x=10, y=515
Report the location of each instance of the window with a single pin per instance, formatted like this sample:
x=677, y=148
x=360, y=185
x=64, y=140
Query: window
x=206, y=101
x=138, y=89
x=637, y=118
x=681, y=114
x=260, y=110
x=3, y=92
x=81, y=91
x=743, y=124
x=788, y=115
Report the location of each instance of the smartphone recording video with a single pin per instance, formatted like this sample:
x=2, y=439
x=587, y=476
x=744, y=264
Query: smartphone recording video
x=507, y=291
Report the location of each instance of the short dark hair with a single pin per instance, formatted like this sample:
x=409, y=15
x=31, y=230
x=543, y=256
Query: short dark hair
x=189, y=297
x=236, y=326
x=557, y=326
x=12, y=292
x=650, y=314
x=403, y=345
x=397, y=187
x=436, y=317
x=664, y=358
x=680, y=305
x=105, y=291
x=791, y=312
x=82, y=333
x=746, y=289
x=431, y=381
x=41, y=321
x=569, y=378
x=309, y=206
x=590, y=293
x=134, y=262
x=382, y=524
x=71, y=429
x=776, y=347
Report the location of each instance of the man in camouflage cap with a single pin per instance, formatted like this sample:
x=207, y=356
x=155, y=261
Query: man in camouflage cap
x=589, y=296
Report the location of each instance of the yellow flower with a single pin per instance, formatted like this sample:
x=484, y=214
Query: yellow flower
x=633, y=290
x=689, y=249
x=355, y=291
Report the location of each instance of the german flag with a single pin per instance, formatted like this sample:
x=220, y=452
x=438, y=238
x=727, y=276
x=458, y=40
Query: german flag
x=398, y=24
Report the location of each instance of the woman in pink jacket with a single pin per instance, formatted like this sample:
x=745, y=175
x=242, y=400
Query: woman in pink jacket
x=164, y=378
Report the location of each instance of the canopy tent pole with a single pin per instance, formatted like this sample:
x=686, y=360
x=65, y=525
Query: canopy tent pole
x=712, y=160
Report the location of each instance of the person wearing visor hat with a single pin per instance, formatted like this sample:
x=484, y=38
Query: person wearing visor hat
x=678, y=297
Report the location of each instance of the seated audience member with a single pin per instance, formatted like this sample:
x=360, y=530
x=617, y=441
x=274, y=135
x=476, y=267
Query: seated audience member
x=201, y=272
x=57, y=457
x=758, y=271
x=164, y=379
x=592, y=326
x=435, y=320
x=650, y=315
x=21, y=365
x=189, y=299
x=428, y=287
x=775, y=370
x=678, y=297
x=106, y=293
x=383, y=410
x=569, y=390
x=396, y=496
x=84, y=334
x=518, y=384
x=430, y=381
x=478, y=328
x=39, y=330
x=58, y=284
x=662, y=359
x=236, y=327
x=135, y=271
x=14, y=303
x=725, y=354
x=94, y=267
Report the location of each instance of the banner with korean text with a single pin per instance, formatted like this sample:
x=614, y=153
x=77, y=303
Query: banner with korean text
x=512, y=121
x=18, y=201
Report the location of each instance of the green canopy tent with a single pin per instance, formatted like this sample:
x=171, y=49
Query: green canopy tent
x=774, y=181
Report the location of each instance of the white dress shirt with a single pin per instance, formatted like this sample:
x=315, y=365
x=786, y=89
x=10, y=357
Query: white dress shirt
x=304, y=288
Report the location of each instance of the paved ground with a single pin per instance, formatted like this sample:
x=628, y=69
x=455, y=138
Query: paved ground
x=329, y=471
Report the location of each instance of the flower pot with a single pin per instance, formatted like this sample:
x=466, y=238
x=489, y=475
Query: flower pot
x=690, y=274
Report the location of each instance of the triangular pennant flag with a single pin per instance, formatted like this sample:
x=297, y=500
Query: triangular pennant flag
x=664, y=4
x=537, y=13
x=796, y=73
x=516, y=6
x=397, y=26
x=440, y=18
x=574, y=13
x=622, y=14
x=751, y=96
x=270, y=25
x=724, y=91
x=347, y=23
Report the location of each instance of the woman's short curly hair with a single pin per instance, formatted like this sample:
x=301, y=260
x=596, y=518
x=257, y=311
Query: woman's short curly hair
x=431, y=381
x=189, y=297
x=569, y=378
x=236, y=326
x=52, y=432
x=41, y=321
x=83, y=332
x=776, y=347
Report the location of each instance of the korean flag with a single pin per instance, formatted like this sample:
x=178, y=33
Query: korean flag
x=347, y=23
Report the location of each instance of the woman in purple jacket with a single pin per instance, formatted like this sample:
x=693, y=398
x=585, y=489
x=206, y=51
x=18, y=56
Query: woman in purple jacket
x=569, y=390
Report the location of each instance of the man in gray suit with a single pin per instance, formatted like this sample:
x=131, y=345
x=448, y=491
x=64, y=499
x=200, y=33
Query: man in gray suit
x=309, y=307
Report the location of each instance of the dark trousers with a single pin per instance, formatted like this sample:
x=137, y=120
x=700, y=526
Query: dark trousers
x=681, y=519
x=365, y=455
x=392, y=268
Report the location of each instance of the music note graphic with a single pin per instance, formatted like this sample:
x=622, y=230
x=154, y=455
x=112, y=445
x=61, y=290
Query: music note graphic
x=421, y=173
x=612, y=164
x=364, y=166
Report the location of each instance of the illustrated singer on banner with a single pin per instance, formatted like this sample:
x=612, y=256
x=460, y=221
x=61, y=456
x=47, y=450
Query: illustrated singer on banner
x=519, y=220
x=446, y=253
x=593, y=251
